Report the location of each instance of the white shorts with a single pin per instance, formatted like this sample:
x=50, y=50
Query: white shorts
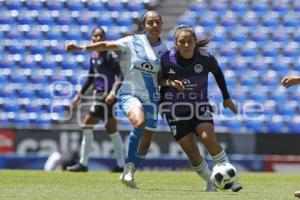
x=128, y=102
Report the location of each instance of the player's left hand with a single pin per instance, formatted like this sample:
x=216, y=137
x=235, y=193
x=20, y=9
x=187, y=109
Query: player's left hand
x=228, y=103
x=110, y=99
x=177, y=84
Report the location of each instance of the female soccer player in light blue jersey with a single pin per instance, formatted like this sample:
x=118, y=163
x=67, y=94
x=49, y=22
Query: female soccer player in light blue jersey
x=138, y=95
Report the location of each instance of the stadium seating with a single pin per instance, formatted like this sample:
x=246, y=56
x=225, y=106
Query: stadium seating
x=252, y=55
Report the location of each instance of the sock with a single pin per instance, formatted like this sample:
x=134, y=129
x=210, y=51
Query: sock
x=220, y=158
x=133, y=144
x=86, y=145
x=203, y=171
x=118, y=148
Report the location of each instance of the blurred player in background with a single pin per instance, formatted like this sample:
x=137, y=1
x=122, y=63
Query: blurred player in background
x=138, y=95
x=105, y=75
x=189, y=111
x=288, y=81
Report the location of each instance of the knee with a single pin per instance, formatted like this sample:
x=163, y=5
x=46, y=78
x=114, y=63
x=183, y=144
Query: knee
x=139, y=124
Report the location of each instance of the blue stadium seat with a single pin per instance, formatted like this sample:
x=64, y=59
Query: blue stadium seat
x=219, y=7
x=228, y=21
x=239, y=8
x=208, y=20
x=74, y=5
x=270, y=51
x=248, y=51
x=233, y=126
x=34, y=4
x=16, y=49
x=280, y=7
x=197, y=7
x=256, y=126
x=10, y=106
x=135, y=6
x=115, y=5
x=124, y=21
x=43, y=121
x=260, y=6
x=84, y=20
x=14, y=4
x=291, y=50
x=65, y=18
x=45, y=18
x=22, y=121
x=38, y=49
x=54, y=5
x=95, y=6
x=24, y=19
x=187, y=21
x=275, y=125
x=14, y=33
x=272, y=21
x=53, y=34
x=280, y=36
x=6, y=18
x=26, y=93
x=34, y=34
x=33, y=108
x=18, y=79
x=291, y=21
x=294, y=125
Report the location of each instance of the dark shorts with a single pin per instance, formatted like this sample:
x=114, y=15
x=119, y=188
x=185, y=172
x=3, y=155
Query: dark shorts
x=184, y=124
x=99, y=109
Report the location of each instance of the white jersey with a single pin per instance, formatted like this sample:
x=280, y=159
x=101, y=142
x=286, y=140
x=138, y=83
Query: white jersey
x=143, y=65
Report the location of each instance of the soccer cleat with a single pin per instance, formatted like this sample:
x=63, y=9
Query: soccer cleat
x=118, y=169
x=297, y=194
x=77, y=168
x=127, y=176
x=210, y=187
x=236, y=187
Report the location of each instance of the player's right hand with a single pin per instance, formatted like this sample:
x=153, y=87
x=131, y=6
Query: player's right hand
x=73, y=47
x=290, y=80
x=75, y=102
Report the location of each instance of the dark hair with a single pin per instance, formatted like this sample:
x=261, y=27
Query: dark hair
x=144, y=17
x=101, y=29
x=182, y=28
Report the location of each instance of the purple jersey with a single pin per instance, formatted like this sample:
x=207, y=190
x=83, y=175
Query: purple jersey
x=104, y=67
x=194, y=76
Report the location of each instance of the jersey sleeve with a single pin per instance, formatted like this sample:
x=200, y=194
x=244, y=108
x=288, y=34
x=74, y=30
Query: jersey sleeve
x=123, y=43
x=219, y=76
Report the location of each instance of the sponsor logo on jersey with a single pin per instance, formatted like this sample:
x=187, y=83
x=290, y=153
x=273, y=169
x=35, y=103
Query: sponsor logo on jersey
x=188, y=85
x=198, y=68
x=171, y=71
x=146, y=67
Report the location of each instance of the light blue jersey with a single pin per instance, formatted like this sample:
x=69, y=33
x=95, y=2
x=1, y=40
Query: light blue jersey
x=143, y=66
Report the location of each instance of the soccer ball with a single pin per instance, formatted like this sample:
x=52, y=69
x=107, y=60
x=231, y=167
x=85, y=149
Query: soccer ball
x=223, y=176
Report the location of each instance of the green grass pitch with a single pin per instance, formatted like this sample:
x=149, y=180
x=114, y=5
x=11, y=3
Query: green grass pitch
x=179, y=185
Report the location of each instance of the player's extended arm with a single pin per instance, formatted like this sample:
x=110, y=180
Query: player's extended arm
x=168, y=82
x=290, y=80
x=98, y=46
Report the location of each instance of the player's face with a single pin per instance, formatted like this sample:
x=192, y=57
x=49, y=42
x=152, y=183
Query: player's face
x=153, y=25
x=97, y=36
x=186, y=44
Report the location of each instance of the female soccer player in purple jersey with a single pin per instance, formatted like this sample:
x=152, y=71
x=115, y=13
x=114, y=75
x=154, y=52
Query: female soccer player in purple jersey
x=105, y=75
x=138, y=95
x=189, y=111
